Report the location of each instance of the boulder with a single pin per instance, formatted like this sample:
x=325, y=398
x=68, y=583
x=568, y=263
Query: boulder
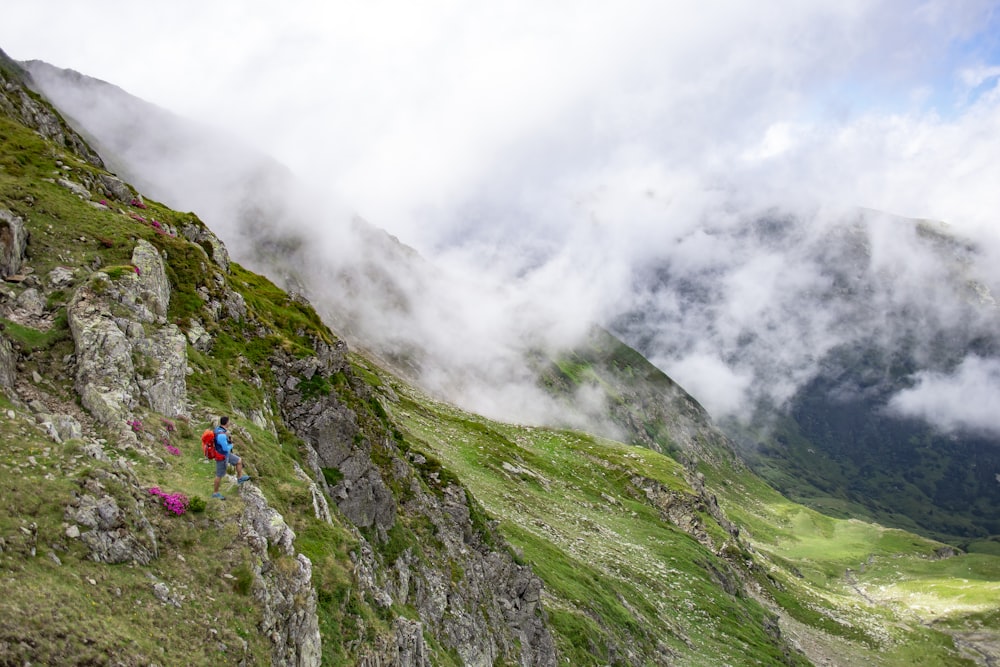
x=133, y=356
x=8, y=364
x=13, y=243
x=31, y=301
x=75, y=188
x=116, y=188
x=60, y=276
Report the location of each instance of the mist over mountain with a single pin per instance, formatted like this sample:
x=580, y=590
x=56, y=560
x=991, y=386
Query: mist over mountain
x=463, y=335
x=750, y=309
x=379, y=525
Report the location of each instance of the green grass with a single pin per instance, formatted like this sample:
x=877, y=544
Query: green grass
x=618, y=573
x=572, y=507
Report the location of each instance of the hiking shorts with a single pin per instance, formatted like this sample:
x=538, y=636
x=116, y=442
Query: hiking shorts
x=220, y=466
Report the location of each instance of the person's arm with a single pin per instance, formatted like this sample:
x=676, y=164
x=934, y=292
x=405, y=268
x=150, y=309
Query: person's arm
x=222, y=439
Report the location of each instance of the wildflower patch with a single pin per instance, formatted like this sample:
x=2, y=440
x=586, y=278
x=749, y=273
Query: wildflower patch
x=176, y=503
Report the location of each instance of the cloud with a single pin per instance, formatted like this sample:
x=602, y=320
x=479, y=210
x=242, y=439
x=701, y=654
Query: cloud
x=967, y=399
x=573, y=161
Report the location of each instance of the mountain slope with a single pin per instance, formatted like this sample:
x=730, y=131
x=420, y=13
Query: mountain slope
x=863, y=344
x=381, y=526
x=820, y=324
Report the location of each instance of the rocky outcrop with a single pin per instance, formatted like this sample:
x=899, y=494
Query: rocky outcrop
x=463, y=582
x=209, y=242
x=127, y=354
x=20, y=103
x=685, y=510
x=282, y=584
x=405, y=647
x=107, y=516
x=470, y=593
x=331, y=427
x=8, y=364
x=13, y=243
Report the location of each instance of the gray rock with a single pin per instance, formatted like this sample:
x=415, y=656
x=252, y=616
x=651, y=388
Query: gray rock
x=153, y=285
x=8, y=364
x=285, y=595
x=234, y=307
x=13, y=243
x=161, y=592
x=67, y=427
x=111, y=538
x=31, y=301
x=108, y=380
x=209, y=242
x=493, y=615
x=60, y=276
x=116, y=188
x=198, y=336
x=75, y=188
x=163, y=389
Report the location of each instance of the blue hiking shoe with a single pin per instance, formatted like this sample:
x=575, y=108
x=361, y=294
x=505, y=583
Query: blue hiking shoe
x=219, y=496
x=243, y=479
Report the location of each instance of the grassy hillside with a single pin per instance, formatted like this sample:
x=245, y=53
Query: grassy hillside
x=622, y=573
x=639, y=565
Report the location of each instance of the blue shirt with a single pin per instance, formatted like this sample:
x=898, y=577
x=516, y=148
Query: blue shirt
x=222, y=440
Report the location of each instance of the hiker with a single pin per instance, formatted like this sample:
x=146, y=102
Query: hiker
x=224, y=444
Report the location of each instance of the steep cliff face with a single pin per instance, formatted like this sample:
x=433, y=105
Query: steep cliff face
x=422, y=544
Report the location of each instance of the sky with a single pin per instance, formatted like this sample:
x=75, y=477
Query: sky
x=554, y=146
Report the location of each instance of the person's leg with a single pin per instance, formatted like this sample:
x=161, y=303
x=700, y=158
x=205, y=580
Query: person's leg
x=238, y=462
x=220, y=470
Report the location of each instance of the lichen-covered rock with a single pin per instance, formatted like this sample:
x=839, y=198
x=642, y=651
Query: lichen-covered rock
x=153, y=286
x=284, y=591
x=8, y=364
x=116, y=534
x=127, y=355
x=74, y=187
x=60, y=276
x=105, y=375
x=209, y=242
x=31, y=302
x=13, y=243
x=116, y=188
x=61, y=427
x=161, y=378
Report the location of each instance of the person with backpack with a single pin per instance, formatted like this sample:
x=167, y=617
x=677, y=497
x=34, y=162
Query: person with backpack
x=225, y=456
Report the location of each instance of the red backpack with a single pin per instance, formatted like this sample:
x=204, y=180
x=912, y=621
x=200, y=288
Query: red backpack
x=208, y=446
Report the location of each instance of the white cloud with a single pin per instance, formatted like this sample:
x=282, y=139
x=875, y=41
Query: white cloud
x=967, y=399
x=543, y=151
x=715, y=384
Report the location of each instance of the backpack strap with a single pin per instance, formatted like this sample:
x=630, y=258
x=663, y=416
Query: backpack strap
x=216, y=432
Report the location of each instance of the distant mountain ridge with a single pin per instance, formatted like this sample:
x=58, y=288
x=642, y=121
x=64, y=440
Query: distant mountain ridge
x=861, y=314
